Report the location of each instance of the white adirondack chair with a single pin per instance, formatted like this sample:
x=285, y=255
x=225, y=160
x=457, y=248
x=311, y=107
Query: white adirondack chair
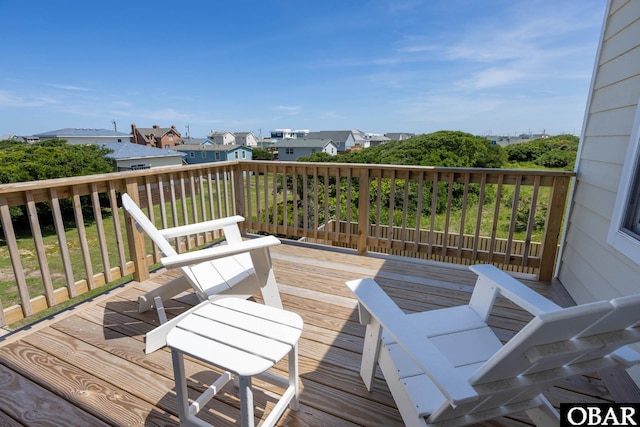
x=447, y=367
x=240, y=268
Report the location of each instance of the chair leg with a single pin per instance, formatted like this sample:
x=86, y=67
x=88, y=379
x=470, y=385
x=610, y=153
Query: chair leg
x=246, y=402
x=293, y=377
x=181, y=385
x=370, y=352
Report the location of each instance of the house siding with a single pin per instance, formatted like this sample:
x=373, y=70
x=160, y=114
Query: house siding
x=591, y=269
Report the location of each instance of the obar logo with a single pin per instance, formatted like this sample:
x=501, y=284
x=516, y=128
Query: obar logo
x=614, y=414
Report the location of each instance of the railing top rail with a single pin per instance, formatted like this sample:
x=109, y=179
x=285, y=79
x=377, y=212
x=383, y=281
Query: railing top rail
x=358, y=166
x=112, y=176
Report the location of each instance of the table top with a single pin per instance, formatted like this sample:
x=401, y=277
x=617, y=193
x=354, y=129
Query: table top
x=237, y=335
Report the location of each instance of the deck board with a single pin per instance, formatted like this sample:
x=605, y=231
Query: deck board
x=88, y=367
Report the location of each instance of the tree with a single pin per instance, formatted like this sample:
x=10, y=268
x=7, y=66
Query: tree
x=261, y=154
x=558, y=152
x=54, y=158
x=443, y=148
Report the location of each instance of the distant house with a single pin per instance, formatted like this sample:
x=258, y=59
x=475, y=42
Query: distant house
x=77, y=136
x=345, y=140
x=13, y=137
x=246, y=138
x=373, y=139
x=208, y=152
x=127, y=156
x=399, y=136
x=280, y=134
x=222, y=138
x=156, y=136
x=292, y=149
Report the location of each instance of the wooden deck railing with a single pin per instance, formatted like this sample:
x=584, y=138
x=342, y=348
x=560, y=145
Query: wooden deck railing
x=66, y=237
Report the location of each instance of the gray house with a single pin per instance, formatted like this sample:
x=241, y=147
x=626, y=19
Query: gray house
x=345, y=140
x=292, y=149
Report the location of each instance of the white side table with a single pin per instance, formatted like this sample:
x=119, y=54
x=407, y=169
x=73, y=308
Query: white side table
x=245, y=339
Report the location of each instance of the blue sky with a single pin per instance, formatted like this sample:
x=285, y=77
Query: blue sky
x=499, y=66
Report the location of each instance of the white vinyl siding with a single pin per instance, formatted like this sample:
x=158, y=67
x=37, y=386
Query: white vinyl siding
x=590, y=267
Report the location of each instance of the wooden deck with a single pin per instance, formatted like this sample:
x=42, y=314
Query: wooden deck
x=86, y=366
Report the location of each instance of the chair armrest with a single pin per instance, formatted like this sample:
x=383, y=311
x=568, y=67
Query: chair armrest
x=407, y=334
x=209, y=254
x=200, y=227
x=493, y=282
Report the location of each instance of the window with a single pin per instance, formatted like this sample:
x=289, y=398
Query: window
x=170, y=137
x=217, y=156
x=192, y=154
x=624, y=230
x=236, y=154
x=288, y=151
x=244, y=154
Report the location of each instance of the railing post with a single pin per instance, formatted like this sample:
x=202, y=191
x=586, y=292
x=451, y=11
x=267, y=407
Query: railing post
x=555, y=213
x=238, y=192
x=135, y=238
x=363, y=211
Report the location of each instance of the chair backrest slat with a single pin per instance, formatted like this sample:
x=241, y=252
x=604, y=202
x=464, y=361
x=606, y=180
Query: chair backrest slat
x=547, y=328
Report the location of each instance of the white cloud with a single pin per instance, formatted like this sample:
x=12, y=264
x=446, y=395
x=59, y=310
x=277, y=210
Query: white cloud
x=291, y=110
x=68, y=87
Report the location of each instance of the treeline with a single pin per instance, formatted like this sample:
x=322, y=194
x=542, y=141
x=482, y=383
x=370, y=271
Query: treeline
x=53, y=158
x=557, y=152
x=460, y=149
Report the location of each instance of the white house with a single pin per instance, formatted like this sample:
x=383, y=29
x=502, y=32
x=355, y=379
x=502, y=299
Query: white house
x=223, y=137
x=600, y=253
x=247, y=139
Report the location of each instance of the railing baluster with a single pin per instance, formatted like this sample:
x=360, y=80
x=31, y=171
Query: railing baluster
x=62, y=242
x=463, y=214
x=496, y=217
x=514, y=217
x=315, y=202
x=363, y=210
x=174, y=209
x=416, y=237
x=338, y=219
x=405, y=208
x=45, y=273
x=531, y=221
x=392, y=204
x=305, y=200
x=82, y=237
x=285, y=202
x=113, y=202
x=325, y=178
x=14, y=256
x=274, y=195
x=481, y=196
x=378, y=207
x=294, y=196
x=445, y=235
x=185, y=210
x=434, y=210
x=151, y=214
x=102, y=238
